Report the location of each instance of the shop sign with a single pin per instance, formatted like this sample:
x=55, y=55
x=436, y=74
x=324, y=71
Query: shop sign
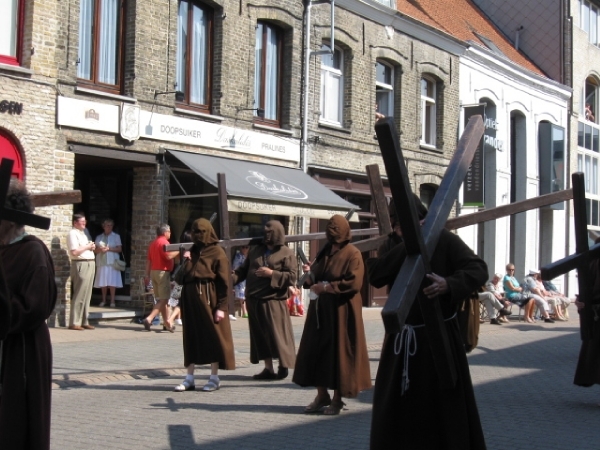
x=130, y=121
x=76, y=113
x=274, y=187
x=194, y=132
x=11, y=107
x=255, y=206
x=473, y=185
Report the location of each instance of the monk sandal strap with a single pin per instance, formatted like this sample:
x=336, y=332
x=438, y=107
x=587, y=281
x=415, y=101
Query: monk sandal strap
x=212, y=385
x=185, y=386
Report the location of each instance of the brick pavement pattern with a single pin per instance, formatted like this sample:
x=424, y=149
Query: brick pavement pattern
x=113, y=389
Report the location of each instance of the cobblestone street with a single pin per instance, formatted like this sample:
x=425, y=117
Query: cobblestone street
x=113, y=388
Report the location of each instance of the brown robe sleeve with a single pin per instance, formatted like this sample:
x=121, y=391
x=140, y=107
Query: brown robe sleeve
x=352, y=277
x=286, y=275
x=221, y=268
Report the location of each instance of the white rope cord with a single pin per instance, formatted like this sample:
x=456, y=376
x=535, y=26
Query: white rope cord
x=407, y=340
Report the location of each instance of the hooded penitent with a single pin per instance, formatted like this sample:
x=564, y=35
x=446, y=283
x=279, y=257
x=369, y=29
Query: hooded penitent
x=203, y=233
x=338, y=230
x=274, y=233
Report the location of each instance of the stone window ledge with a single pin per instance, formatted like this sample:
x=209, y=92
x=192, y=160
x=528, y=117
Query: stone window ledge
x=105, y=94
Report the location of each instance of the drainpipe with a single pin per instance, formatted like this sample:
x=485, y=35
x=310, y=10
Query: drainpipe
x=517, y=34
x=306, y=79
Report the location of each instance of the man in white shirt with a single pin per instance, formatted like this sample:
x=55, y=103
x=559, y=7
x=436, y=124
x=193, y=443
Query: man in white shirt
x=494, y=302
x=83, y=267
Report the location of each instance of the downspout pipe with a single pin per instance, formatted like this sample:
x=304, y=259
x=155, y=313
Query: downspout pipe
x=306, y=79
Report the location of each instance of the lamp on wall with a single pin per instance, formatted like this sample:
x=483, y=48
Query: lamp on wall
x=259, y=111
x=178, y=94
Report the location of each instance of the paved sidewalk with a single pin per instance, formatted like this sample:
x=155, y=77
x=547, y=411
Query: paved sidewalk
x=113, y=389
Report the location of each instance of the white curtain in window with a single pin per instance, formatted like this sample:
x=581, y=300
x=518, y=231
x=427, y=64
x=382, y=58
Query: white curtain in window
x=199, y=63
x=180, y=76
x=86, y=21
x=271, y=74
x=9, y=23
x=258, y=48
x=331, y=88
x=109, y=46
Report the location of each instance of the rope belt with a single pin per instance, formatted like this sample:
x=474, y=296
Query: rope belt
x=407, y=340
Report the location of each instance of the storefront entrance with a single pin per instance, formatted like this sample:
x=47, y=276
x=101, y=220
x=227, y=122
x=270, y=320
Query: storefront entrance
x=106, y=187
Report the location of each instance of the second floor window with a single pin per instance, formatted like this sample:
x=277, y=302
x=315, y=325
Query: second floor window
x=194, y=35
x=11, y=25
x=384, y=89
x=267, y=72
x=332, y=86
x=428, y=112
x=100, y=42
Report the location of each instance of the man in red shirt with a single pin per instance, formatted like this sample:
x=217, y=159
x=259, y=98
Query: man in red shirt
x=158, y=269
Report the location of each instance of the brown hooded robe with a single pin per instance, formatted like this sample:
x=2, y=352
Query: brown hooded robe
x=26, y=357
x=333, y=349
x=271, y=332
x=205, y=286
x=426, y=416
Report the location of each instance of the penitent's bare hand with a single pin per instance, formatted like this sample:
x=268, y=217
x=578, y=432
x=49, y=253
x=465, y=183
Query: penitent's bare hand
x=438, y=286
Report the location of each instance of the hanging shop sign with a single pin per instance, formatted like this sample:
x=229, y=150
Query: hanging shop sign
x=473, y=194
x=87, y=115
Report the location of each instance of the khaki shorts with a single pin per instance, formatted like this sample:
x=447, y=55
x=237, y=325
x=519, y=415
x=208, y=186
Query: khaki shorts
x=161, y=283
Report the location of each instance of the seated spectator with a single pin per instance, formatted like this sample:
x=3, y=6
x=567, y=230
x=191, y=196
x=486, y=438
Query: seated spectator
x=531, y=289
x=495, y=287
x=538, y=288
x=519, y=296
x=564, y=300
x=493, y=299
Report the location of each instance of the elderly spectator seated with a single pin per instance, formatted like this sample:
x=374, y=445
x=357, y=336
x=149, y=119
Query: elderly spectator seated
x=519, y=296
x=530, y=288
x=535, y=286
x=563, y=299
x=493, y=300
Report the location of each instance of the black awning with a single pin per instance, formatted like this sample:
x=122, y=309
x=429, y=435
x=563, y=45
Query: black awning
x=265, y=189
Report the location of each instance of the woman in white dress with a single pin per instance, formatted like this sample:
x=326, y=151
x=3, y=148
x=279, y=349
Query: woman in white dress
x=108, y=248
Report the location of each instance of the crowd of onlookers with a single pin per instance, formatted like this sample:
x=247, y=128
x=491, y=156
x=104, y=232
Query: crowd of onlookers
x=536, y=298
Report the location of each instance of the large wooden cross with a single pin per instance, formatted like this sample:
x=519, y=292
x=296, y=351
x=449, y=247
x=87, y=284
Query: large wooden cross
x=581, y=259
x=420, y=246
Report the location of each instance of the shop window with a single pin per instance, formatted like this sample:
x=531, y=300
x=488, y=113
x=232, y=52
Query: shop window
x=99, y=60
x=194, y=54
x=10, y=150
x=428, y=112
x=332, y=86
x=11, y=31
x=384, y=89
x=267, y=73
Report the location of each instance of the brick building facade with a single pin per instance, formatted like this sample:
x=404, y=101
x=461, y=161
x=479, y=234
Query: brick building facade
x=101, y=115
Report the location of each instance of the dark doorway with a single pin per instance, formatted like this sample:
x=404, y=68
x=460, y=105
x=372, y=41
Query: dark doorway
x=106, y=193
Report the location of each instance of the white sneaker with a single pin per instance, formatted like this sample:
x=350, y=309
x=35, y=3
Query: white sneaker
x=232, y=317
x=178, y=322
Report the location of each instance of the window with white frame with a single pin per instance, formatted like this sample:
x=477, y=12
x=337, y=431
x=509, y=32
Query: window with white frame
x=11, y=25
x=384, y=89
x=591, y=100
x=428, y=112
x=589, y=21
x=390, y=3
x=332, y=86
x=267, y=72
x=588, y=159
x=100, y=42
x=193, y=74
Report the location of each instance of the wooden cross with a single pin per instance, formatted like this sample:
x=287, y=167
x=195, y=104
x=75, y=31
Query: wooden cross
x=581, y=259
x=419, y=245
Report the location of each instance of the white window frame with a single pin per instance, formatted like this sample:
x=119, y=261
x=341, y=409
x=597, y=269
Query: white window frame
x=383, y=89
x=428, y=114
x=588, y=162
x=329, y=76
x=589, y=21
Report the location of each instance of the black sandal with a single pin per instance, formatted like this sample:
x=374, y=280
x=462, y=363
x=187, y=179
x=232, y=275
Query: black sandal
x=317, y=404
